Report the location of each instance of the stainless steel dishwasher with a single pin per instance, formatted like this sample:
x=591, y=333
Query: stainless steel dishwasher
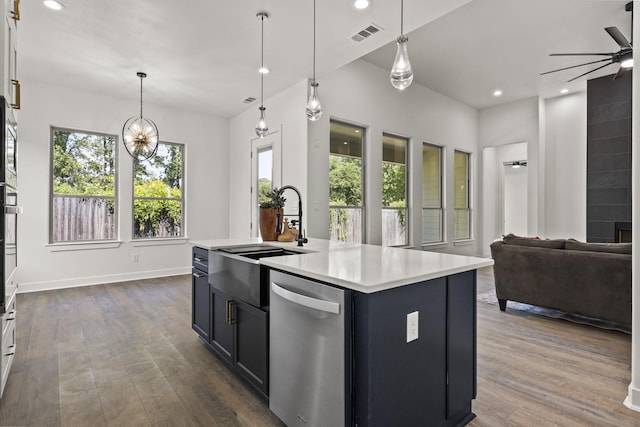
x=308, y=351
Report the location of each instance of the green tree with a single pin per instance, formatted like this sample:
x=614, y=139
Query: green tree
x=393, y=184
x=156, y=180
x=155, y=212
x=345, y=181
x=83, y=164
x=264, y=188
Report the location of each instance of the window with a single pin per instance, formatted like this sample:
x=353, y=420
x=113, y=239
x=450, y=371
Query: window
x=432, y=223
x=83, y=186
x=346, y=202
x=265, y=172
x=158, y=193
x=394, y=190
x=462, y=211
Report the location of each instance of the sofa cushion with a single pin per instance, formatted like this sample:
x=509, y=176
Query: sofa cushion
x=616, y=248
x=512, y=239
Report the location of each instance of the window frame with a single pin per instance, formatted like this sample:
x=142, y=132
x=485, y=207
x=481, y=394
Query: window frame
x=115, y=197
x=362, y=207
x=181, y=199
x=468, y=197
x=441, y=209
x=407, y=192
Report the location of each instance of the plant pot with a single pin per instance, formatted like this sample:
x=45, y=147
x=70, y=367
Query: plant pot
x=268, y=223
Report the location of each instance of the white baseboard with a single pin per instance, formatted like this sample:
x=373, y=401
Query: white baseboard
x=99, y=280
x=633, y=398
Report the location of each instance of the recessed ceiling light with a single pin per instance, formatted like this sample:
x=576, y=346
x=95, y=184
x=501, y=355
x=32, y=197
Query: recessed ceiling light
x=564, y=90
x=361, y=4
x=356, y=130
x=497, y=92
x=345, y=143
x=263, y=70
x=53, y=4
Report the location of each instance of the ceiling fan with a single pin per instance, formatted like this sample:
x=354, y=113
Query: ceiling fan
x=624, y=56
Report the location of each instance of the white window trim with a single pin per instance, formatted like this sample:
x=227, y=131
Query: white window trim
x=83, y=245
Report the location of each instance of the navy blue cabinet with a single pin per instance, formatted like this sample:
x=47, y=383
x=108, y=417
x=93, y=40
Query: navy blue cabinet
x=200, y=304
x=430, y=381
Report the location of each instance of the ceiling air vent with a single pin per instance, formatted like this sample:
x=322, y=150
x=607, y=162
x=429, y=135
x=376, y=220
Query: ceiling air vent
x=367, y=32
x=248, y=100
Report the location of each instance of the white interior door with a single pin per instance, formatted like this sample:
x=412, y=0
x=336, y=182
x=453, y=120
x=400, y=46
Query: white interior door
x=515, y=200
x=266, y=172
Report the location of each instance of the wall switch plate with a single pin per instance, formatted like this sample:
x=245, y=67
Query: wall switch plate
x=135, y=257
x=412, y=326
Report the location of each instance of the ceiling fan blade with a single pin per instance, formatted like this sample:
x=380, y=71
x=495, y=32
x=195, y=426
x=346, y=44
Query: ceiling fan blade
x=581, y=54
x=574, y=66
x=620, y=73
x=584, y=74
x=615, y=33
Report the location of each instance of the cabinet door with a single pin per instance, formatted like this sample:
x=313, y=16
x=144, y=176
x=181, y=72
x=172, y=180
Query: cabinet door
x=461, y=343
x=221, y=327
x=200, y=300
x=251, y=338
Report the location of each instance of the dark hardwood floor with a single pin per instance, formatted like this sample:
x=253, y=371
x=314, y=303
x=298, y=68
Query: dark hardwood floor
x=125, y=354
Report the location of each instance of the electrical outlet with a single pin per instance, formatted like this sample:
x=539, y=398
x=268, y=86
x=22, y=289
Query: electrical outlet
x=135, y=257
x=412, y=326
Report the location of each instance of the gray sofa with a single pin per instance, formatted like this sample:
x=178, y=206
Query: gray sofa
x=590, y=279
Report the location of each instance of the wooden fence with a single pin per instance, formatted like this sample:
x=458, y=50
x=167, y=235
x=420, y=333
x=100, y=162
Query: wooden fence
x=346, y=225
x=83, y=218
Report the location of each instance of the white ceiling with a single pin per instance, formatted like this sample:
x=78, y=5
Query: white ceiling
x=203, y=55
x=490, y=44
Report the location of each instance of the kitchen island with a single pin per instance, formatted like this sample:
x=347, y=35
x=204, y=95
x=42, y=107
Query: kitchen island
x=404, y=327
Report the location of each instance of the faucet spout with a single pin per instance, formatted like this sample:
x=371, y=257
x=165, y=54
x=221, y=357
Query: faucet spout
x=300, y=239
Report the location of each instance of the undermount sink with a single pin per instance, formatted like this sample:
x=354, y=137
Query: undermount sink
x=237, y=271
x=258, y=251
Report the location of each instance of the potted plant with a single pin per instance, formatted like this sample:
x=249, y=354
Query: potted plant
x=271, y=212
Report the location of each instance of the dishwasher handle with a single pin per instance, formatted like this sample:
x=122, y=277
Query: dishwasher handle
x=314, y=303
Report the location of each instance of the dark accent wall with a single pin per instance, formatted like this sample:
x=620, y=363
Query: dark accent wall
x=608, y=156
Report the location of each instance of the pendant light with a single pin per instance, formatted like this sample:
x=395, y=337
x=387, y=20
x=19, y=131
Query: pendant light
x=261, y=128
x=401, y=74
x=140, y=134
x=314, y=109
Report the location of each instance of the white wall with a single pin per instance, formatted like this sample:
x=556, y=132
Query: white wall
x=566, y=167
x=555, y=132
x=285, y=116
x=360, y=93
x=206, y=181
x=492, y=178
x=510, y=123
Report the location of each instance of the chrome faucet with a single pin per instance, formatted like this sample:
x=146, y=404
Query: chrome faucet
x=300, y=239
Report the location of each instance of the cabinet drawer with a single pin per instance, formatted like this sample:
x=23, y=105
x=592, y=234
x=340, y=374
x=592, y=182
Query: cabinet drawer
x=200, y=259
x=8, y=319
x=8, y=353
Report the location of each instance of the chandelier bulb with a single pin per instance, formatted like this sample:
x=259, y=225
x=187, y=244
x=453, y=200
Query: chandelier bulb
x=401, y=74
x=314, y=109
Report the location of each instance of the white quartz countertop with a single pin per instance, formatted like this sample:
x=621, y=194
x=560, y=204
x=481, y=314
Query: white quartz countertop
x=364, y=268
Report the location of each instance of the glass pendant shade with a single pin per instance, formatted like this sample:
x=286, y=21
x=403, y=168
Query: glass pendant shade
x=261, y=128
x=140, y=136
x=314, y=109
x=401, y=74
